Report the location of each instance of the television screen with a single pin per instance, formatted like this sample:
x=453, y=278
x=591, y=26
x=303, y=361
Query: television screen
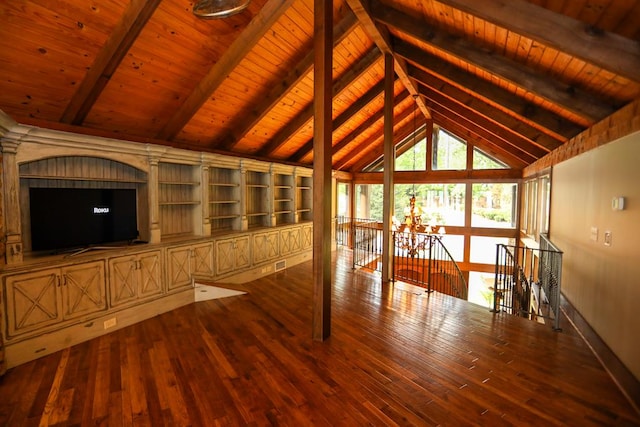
x=65, y=218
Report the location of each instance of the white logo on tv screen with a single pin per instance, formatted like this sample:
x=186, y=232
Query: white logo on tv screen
x=97, y=210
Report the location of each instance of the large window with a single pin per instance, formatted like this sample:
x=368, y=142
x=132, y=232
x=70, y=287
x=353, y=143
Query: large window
x=369, y=201
x=449, y=151
x=494, y=205
x=343, y=208
x=535, y=206
x=481, y=160
x=414, y=159
x=442, y=204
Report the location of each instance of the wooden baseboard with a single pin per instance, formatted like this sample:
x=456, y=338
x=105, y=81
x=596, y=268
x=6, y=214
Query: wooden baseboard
x=628, y=384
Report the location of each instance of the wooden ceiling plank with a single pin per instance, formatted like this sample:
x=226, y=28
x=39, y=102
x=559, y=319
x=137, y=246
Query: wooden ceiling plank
x=375, y=149
x=353, y=109
x=280, y=90
x=305, y=115
x=569, y=98
x=378, y=115
x=604, y=49
x=490, y=112
x=542, y=118
x=235, y=53
x=373, y=139
x=382, y=40
x=122, y=37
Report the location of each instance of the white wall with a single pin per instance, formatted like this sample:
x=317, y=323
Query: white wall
x=602, y=282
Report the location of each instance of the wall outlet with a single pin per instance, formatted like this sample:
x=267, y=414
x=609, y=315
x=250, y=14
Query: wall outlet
x=110, y=323
x=607, y=238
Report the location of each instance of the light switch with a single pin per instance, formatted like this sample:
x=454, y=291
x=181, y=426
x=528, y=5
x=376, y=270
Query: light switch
x=594, y=234
x=617, y=203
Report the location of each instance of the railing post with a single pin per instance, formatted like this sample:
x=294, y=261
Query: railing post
x=496, y=281
x=429, y=264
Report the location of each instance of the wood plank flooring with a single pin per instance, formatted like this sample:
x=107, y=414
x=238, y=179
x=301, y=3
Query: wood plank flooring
x=395, y=357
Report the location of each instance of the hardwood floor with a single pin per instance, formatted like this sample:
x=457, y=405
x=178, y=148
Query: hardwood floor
x=395, y=357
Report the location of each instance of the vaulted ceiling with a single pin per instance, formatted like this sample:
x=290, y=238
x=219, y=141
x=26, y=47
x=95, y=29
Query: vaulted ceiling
x=515, y=78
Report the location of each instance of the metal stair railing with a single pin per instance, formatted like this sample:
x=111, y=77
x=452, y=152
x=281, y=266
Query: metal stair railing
x=527, y=282
x=431, y=266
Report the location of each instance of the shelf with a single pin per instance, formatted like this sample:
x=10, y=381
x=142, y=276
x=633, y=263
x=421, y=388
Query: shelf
x=303, y=188
x=89, y=179
x=191, y=183
x=223, y=202
x=303, y=210
x=183, y=203
x=223, y=184
x=285, y=187
x=257, y=214
x=257, y=186
x=281, y=212
x=283, y=200
x=224, y=217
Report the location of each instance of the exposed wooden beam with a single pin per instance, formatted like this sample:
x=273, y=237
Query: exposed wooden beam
x=389, y=168
x=497, y=131
x=371, y=121
x=523, y=130
x=471, y=125
x=252, y=117
x=353, y=109
x=242, y=45
x=545, y=120
x=375, y=150
x=442, y=177
x=593, y=45
x=381, y=38
x=305, y=115
x=499, y=151
x=122, y=36
x=323, y=25
x=569, y=98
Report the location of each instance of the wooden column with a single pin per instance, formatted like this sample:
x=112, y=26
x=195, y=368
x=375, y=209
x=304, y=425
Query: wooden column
x=205, y=207
x=11, y=184
x=389, y=168
x=154, y=201
x=323, y=29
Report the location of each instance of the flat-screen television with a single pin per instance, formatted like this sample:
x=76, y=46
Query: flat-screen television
x=67, y=218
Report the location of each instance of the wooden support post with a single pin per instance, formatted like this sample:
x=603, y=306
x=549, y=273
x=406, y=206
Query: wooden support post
x=389, y=168
x=323, y=23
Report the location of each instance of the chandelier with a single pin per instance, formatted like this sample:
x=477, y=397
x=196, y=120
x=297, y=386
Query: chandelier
x=213, y=9
x=413, y=235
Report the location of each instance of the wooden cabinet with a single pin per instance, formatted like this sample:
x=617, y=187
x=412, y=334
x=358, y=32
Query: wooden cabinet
x=179, y=199
x=306, y=236
x=283, y=208
x=134, y=277
x=304, y=198
x=224, y=199
x=232, y=254
x=290, y=241
x=47, y=297
x=265, y=246
x=257, y=189
x=185, y=262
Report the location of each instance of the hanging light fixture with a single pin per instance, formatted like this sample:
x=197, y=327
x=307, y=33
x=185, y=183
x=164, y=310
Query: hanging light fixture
x=214, y=9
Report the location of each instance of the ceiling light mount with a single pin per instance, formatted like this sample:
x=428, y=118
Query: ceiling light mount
x=215, y=9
